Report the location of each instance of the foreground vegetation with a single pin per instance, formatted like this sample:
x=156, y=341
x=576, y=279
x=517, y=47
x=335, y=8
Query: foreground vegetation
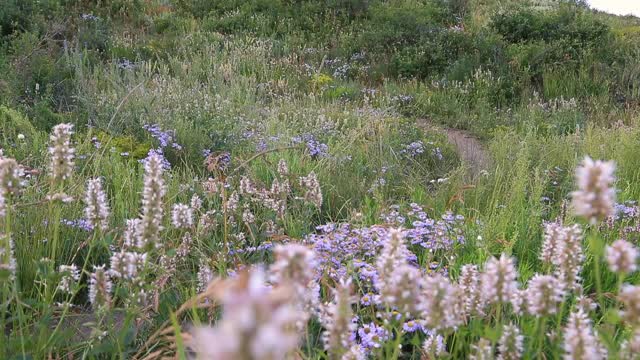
x=272, y=179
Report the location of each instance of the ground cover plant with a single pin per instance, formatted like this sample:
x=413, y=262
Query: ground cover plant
x=318, y=180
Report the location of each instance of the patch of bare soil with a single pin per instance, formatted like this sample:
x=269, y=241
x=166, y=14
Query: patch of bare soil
x=470, y=149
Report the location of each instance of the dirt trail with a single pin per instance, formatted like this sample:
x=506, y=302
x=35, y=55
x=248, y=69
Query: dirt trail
x=470, y=149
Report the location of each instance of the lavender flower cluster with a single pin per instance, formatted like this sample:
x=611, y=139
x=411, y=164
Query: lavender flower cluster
x=315, y=148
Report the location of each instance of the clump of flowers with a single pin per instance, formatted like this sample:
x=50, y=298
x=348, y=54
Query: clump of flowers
x=595, y=198
x=165, y=138
x=372, y=336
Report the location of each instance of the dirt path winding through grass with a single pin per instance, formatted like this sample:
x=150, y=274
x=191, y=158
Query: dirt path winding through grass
x=471, y=150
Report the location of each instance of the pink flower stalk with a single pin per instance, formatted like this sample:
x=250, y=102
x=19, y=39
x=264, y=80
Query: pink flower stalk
x=544, y=294
x=100, y=287
x=3, y=205
x=629, y=296
x=434, y=346
x=511, y=343
x=554, y=238
x=622, y=257
x=70, y=276
x=469, y=283
x=196, y=202
x=7, y=257
x=10, y=176
x=499, y=280
x=127, y=265
x=569, y=258
x=595, y=198
x=339, y=329
x=182, y=216
x=129, y=237
x=441, y=303
x=61, y=152
x=313, y=192
x=580, y=341
x=97, y=207
x=403, y=291
x=630, y=348
x=295, y=266
x=256, y=323
x=394, y=253
x=482, y=350
x=150, y=225
x=283, y=169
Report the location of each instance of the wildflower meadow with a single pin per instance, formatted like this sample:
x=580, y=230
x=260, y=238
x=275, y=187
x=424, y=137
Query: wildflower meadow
x=354, y=179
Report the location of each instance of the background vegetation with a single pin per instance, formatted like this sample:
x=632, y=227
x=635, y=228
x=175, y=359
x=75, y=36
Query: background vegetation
x=338, y=87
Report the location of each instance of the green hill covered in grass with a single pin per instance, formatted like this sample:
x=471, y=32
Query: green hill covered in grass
x=398, y=179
